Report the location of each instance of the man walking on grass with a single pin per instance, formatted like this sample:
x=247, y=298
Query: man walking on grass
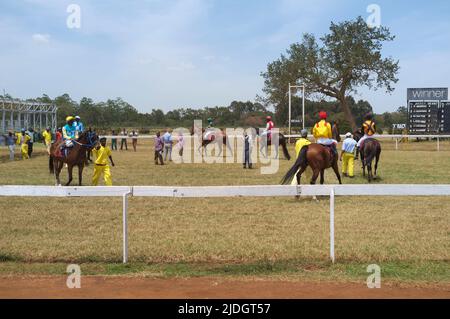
x=10, y=140
x=102, y=153
x=168, y=142
x=348, y=155
x=158, y=148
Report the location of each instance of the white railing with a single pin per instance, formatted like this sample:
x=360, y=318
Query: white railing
x=227, y=191
x=378, y=136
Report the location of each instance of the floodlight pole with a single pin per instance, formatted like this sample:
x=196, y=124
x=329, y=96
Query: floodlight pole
x=302, y=86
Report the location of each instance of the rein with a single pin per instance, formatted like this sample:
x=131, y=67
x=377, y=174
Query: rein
x=87, y=145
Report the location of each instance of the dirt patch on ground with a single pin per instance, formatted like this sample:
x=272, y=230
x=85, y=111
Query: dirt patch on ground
x=134, y=287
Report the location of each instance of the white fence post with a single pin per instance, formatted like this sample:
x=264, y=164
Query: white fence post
x=396, y=144
x=332, y=225
x=438, y=148
x=125, y=225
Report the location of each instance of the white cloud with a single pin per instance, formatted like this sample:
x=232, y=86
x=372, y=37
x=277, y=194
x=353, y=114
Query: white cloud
x=41, y=38
x=181, y=66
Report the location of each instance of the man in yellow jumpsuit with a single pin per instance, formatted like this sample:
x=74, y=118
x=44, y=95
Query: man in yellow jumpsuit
x=348, y=155
x=47, y=135
x=102, y=153
x=323, y=134
x=302, y=141
x=22, y=140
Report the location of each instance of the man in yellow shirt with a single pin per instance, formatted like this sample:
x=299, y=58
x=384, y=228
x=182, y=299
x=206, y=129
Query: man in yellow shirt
x=47, y=135
x=22, y=140
x=102, y=153
x=323, y=134
x=299, y=146
x=302, y=141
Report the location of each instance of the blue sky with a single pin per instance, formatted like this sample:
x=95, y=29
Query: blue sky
x=196, y=53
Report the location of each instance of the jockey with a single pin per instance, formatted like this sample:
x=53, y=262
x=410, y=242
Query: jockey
x=369, y=128
x=209, y=129
x=79, y=126
x=322, y=132
x=68, y=131
x=269, y=127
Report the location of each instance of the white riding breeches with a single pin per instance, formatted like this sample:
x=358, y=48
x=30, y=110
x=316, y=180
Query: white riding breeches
x=326, y=141
x=365, y=137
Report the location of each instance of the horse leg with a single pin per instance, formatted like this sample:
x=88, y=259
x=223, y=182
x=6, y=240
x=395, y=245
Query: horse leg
x=322, y=177
x=227, y=142
x=336, y=171
x=377, y=158
x=69, y=168
x=299, y=174
x=363, y=164
x=57, y=168
x=261, y=150
x=316, y=173
x=369, y=172
x=220, y=149
x=80, y=173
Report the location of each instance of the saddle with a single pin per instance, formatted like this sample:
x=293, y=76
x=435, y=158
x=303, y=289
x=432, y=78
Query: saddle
x=60, y=150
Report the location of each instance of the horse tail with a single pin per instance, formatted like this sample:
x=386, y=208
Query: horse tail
x=300, y=162
x=284, y=147
x=372, y=151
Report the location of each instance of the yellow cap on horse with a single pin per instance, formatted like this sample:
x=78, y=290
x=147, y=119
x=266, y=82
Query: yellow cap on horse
x=70, y=118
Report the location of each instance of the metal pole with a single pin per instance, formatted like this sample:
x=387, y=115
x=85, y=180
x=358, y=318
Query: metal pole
x=125, y=226
x=332, y=225
x=303, y=106
x=289, y=113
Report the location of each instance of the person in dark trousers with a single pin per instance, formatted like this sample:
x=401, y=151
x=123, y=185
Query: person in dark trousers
x=30, y=132
x=89, y=152
x=158, y=148
x=10, y=141
x=114, y=141
x=247, y=150
x=123, y=141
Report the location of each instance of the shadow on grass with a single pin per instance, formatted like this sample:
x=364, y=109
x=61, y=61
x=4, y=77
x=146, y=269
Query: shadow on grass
x=8, y=257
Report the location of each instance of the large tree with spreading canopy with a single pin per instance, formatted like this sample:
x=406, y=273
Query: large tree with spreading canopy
x=340, y=62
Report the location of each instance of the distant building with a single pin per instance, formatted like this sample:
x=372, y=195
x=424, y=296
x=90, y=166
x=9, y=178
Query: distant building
x=428, y=111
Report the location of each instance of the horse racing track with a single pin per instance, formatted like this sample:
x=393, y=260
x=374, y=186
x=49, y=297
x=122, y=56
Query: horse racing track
x=227, y=247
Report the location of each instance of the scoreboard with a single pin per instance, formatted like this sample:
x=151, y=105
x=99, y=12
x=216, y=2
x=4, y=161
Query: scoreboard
x=428, y=111
x=445, y=116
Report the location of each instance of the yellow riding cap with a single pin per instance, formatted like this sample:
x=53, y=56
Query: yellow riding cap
x=70, y=118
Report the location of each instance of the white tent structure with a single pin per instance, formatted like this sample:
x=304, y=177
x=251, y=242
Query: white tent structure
x=16, y=114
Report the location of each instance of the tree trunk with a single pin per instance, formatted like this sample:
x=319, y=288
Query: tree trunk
x=348, y=114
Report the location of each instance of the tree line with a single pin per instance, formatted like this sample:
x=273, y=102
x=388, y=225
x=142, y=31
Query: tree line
x=117, y=113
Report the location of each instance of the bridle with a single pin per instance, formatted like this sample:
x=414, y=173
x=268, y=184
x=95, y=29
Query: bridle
x=91, y=140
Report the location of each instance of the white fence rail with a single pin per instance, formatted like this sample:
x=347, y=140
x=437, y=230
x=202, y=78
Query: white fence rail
x=226, y=191
x=395, y=137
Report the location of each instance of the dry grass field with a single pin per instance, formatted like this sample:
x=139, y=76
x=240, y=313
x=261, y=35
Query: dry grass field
x=409, y=237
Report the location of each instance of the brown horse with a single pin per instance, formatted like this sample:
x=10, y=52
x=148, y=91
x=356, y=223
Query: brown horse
x=282, y=141
x=217, y=136
x=370, y=149
x=76, y=156
x=318, y=157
